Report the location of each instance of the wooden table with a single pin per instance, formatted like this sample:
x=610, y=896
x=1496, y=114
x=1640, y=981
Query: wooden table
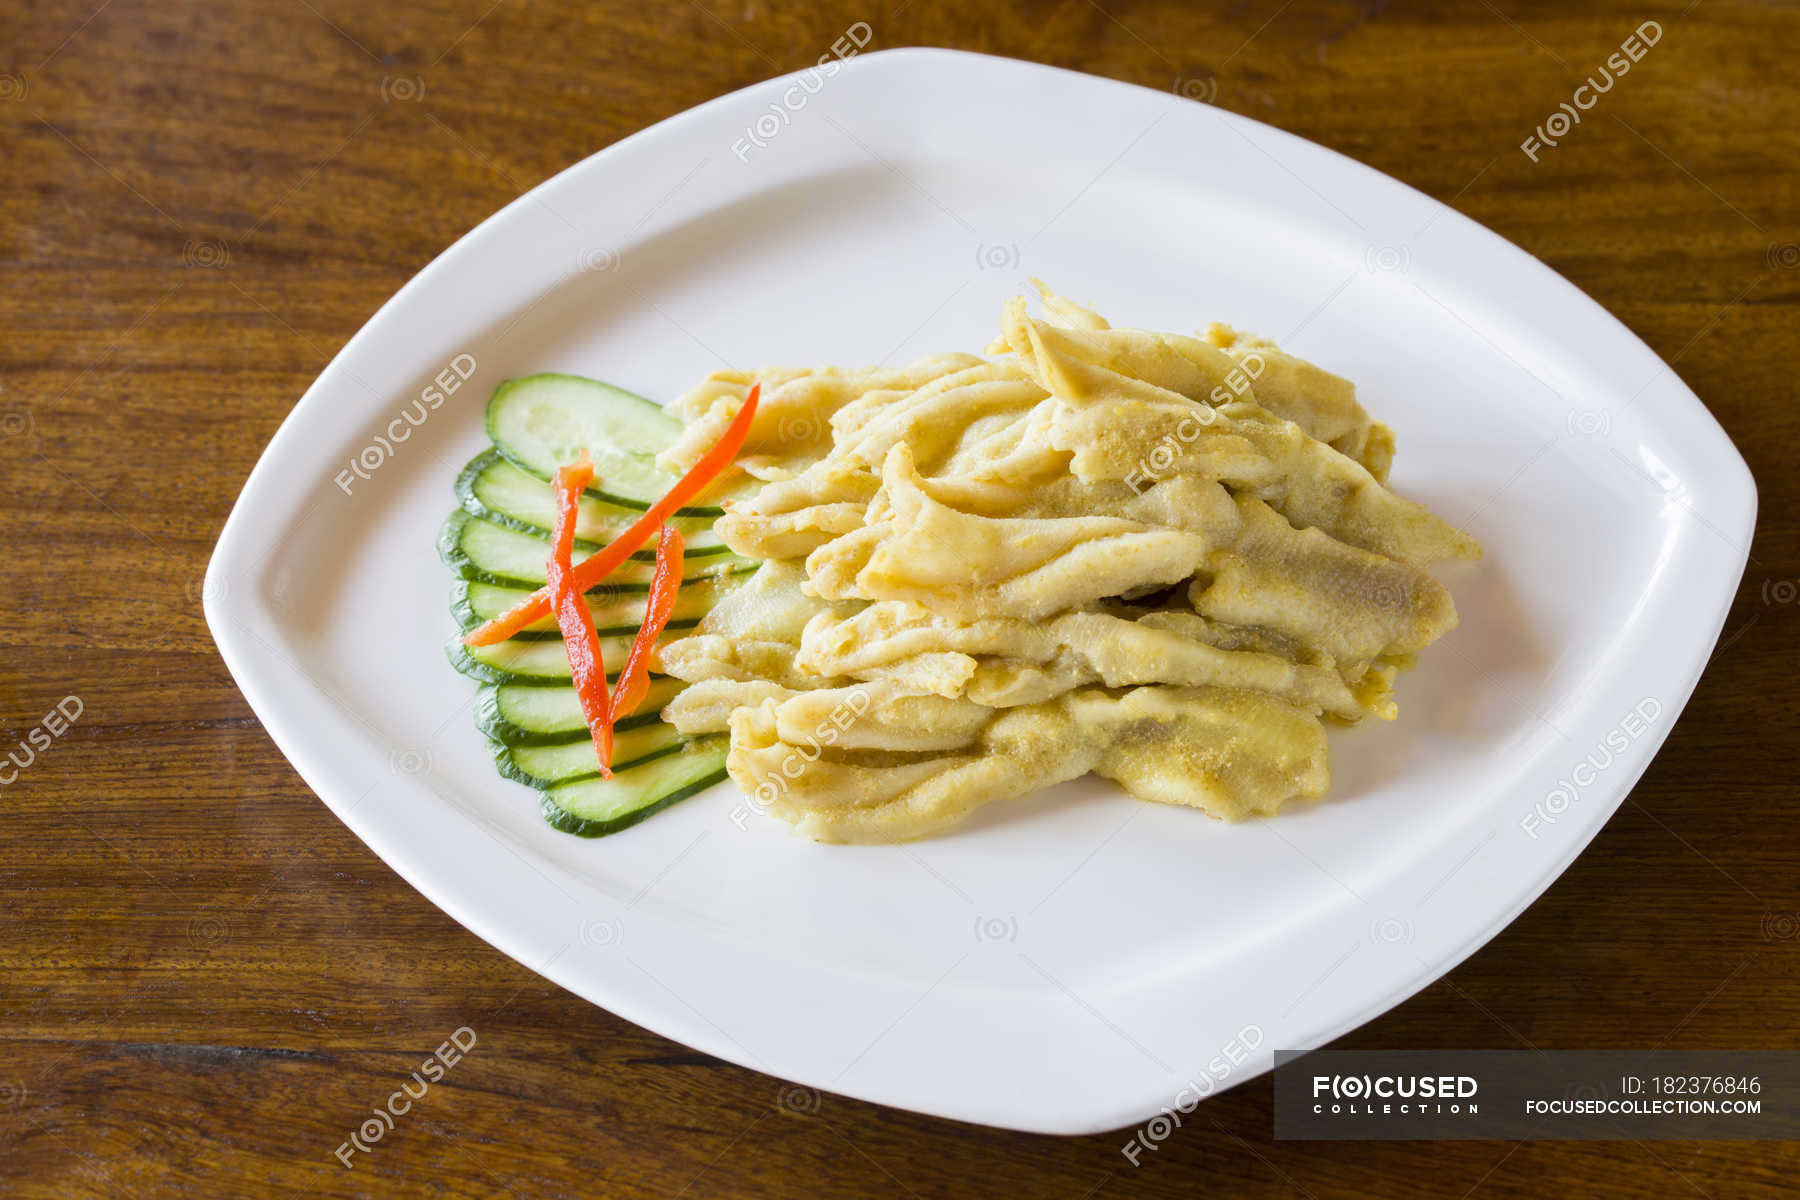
x=205, y=979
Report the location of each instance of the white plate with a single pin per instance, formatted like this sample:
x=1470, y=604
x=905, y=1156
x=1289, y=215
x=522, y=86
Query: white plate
x=1071, y=962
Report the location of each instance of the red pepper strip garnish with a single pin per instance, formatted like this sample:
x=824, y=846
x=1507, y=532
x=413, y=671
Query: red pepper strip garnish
x=634, y=680
x=597, y=566
x=580, y=642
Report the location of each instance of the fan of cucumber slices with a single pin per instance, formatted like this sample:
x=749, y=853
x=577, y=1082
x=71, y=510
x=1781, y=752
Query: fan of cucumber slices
x=497, y=544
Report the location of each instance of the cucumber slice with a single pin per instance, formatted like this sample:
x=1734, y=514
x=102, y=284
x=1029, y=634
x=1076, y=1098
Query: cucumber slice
x=616, y=612
x=540, y=422
x=596, y=807
x=548, y=766
x=536, y=663
x=548, y=716
x=482, y=551
x=497, y=546
x=496, y=490
x=541, y=662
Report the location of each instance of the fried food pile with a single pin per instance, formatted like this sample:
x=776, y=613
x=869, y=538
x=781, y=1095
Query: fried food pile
x=1169, y=560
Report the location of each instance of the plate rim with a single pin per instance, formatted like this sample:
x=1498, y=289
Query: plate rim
x=241, y=553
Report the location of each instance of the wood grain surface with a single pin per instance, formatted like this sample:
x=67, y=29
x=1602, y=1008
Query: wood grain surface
x=206, y=981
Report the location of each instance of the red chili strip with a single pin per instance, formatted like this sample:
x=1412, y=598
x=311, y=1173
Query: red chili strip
x=596, y=567
x=580, y=642
x=634, y=680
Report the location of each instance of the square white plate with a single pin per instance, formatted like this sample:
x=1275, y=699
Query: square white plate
x=1076, y=961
